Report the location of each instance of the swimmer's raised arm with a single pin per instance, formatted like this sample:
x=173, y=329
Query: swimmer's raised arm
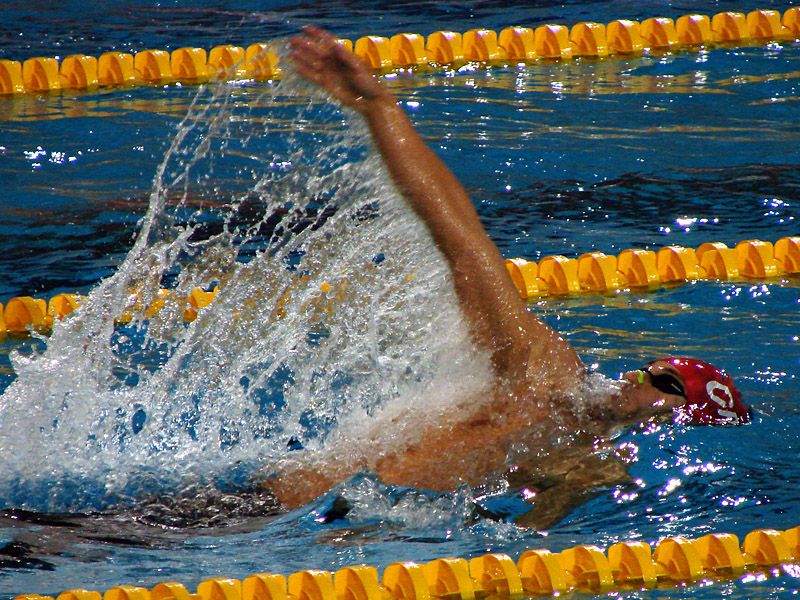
x=535, y=368
x=519, y=344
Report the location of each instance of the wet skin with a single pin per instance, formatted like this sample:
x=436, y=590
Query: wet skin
x=536, y=370
x=635, y=395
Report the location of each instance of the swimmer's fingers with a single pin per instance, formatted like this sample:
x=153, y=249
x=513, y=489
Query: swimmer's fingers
x=308, y=59
x=319, y=36
x=319, y=58
x=328, y=50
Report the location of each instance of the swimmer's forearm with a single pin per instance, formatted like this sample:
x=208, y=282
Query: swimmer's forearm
x=431, y=188
x=498, y=319
x=438, y=198
x=489, y=298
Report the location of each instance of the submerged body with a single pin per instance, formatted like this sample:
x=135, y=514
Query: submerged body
x=542, y=389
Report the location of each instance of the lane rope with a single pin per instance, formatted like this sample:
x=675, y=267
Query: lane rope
x=634, y=270
x=260, y=61
x=586, y=568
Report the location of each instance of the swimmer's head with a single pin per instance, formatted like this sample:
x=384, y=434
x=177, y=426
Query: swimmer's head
x=710, y=396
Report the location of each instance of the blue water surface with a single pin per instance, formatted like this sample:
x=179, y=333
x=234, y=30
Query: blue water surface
x=559, y=158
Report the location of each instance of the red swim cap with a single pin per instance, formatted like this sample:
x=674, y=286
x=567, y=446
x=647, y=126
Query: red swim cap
x=711, y=396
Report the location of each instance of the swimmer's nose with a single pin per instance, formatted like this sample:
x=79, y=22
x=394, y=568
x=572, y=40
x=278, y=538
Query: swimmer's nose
x=634, y=376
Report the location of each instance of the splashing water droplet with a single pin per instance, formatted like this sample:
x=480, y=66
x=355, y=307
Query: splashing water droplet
x=334, y=326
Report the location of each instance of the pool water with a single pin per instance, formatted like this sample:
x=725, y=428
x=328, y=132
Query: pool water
x=681, y=148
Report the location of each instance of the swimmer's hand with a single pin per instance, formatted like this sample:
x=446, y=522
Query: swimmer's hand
x=320, y=59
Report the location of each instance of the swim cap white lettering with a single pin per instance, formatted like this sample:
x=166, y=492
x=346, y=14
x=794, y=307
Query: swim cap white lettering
x=711, y=396
x=723, y=397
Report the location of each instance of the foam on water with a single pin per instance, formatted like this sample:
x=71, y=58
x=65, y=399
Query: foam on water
x=272, y=195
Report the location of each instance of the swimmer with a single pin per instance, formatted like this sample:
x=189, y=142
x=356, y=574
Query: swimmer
x=537, y=370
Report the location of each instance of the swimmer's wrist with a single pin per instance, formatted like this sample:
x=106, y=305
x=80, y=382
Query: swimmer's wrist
x=377, y=104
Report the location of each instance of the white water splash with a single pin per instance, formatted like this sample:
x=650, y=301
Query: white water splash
x=273, y=195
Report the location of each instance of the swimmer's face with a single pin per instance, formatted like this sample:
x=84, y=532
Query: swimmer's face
x=657, y=388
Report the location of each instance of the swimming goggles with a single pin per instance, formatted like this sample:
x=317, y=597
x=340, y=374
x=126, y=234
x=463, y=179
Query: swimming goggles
x=665, y=382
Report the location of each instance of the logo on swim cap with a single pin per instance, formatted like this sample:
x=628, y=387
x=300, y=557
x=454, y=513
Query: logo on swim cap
x=721, y=394
x=711, y=396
